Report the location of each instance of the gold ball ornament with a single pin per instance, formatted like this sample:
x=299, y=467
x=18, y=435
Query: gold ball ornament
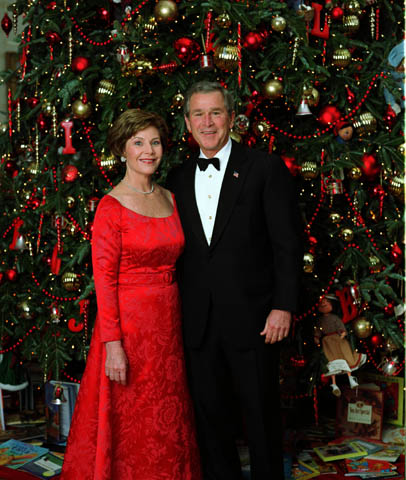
x=347, y=234
x=341, y=57
x=25, y=310
x=108, y=162
x=178, y=100
x=365, y=123
x=362, y=327
x=355, y=173
x=351, y=23
x=3, y=128
x=402, y=149
x=308, y=262
x=261, y=129
x=375, y=264
x=105, y=88
x=47, y=108
x=309, y=170
x=226, y=57
x=353, y=7
x=70, y=201
x=278, y=24
x=335, y=217
x=223, y=20
x=70, y=281
x=273, y=89
x=165, y=11
x=137, y=67
x=390, y=345
x=397, y=187
x=235, y=136
x=312, y=97
x=81, y=110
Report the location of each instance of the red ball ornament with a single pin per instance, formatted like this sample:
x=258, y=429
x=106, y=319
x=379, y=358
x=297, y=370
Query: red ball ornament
x=32, y=102
x=370, y=166
x=52, y=38
x=79, y=64
x=75, y=327
x=337, y=13
x=389, y=309
x=51, y=6
x=186, y=49
x=396, y=254
x=104, y=15
x=6, y=24
x=11, y=275
x=389, y=117
x=329, y=114
x=252, y=41
x=69, y=173
x=41, y=122
x=376, y=340
x=10, y=166
x=35, y=203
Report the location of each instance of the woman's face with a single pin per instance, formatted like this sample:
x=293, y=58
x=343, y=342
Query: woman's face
x=143, y=151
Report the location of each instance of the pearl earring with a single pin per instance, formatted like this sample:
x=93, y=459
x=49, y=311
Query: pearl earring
x=123, y=159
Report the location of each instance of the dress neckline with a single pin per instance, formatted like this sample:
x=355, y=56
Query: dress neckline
x=140, y=214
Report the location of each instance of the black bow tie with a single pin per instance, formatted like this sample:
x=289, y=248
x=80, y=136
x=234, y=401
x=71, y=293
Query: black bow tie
x=203, y=163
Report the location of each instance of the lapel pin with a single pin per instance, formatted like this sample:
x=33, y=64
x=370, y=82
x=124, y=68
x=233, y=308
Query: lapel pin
x=235, y=174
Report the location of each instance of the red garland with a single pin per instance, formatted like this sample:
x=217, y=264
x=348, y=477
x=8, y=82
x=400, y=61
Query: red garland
x=87, y=130
x=54, y=297
x=20, y=340
x=85, y=235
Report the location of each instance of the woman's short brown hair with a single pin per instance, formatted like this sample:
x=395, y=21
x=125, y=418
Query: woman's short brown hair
x=129, y=123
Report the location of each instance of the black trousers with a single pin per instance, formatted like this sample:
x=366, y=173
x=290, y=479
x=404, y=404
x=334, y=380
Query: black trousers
x=223, y=377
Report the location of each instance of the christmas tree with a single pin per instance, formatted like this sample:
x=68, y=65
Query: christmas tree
x=320, y=84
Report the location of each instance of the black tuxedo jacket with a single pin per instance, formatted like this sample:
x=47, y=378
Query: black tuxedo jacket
x=253, y=262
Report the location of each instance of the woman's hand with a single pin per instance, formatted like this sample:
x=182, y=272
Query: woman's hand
x=116, y=362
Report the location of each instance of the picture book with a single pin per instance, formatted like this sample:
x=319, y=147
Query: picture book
x=389, y=453
x=366, y=465
x=338, y=451
x=370, y=447
x=373, y=475
x=14, y=454
x=310, y=460
x=300, y=472
x=46, y=466
x=360, y=412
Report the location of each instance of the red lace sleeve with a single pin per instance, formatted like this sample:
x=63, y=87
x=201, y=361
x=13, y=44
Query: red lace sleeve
x=106, y=253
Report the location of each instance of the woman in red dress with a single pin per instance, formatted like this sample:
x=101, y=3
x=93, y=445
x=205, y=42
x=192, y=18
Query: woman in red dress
x=133, y=418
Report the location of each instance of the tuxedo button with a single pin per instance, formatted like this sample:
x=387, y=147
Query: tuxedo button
x=209, y=196
x=210, y=217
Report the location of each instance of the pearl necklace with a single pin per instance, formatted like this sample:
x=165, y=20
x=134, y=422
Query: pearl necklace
x=139, y=191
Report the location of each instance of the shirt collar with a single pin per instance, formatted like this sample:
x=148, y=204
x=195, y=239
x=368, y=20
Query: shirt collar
x=223, y=155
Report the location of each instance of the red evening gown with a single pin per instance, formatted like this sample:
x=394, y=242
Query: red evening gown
x=143, y=430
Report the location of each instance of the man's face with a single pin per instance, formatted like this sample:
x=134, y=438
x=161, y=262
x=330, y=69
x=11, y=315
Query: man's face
x=209, y=122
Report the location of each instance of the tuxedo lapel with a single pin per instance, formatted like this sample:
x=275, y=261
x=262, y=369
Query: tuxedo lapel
x=237, y=168
x=189, y=204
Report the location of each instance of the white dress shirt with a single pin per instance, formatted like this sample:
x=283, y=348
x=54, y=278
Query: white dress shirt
x=207, y=188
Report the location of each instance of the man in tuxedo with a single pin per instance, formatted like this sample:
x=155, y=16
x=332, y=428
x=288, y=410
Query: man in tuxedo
x=238, y=279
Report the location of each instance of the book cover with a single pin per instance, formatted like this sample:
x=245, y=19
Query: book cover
x=360, y=413
x=300, y=472
x=310, y=460
x=46, y=466
x=14, y=454
x=370, y=447
x=339, y=451
x=389, y=453
x=367, y=465
x=393, y=396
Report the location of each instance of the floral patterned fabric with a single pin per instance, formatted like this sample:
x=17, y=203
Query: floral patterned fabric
x=143, y=430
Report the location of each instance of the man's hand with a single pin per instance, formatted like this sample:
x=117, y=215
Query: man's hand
x=116, y=362
x=277, y=326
